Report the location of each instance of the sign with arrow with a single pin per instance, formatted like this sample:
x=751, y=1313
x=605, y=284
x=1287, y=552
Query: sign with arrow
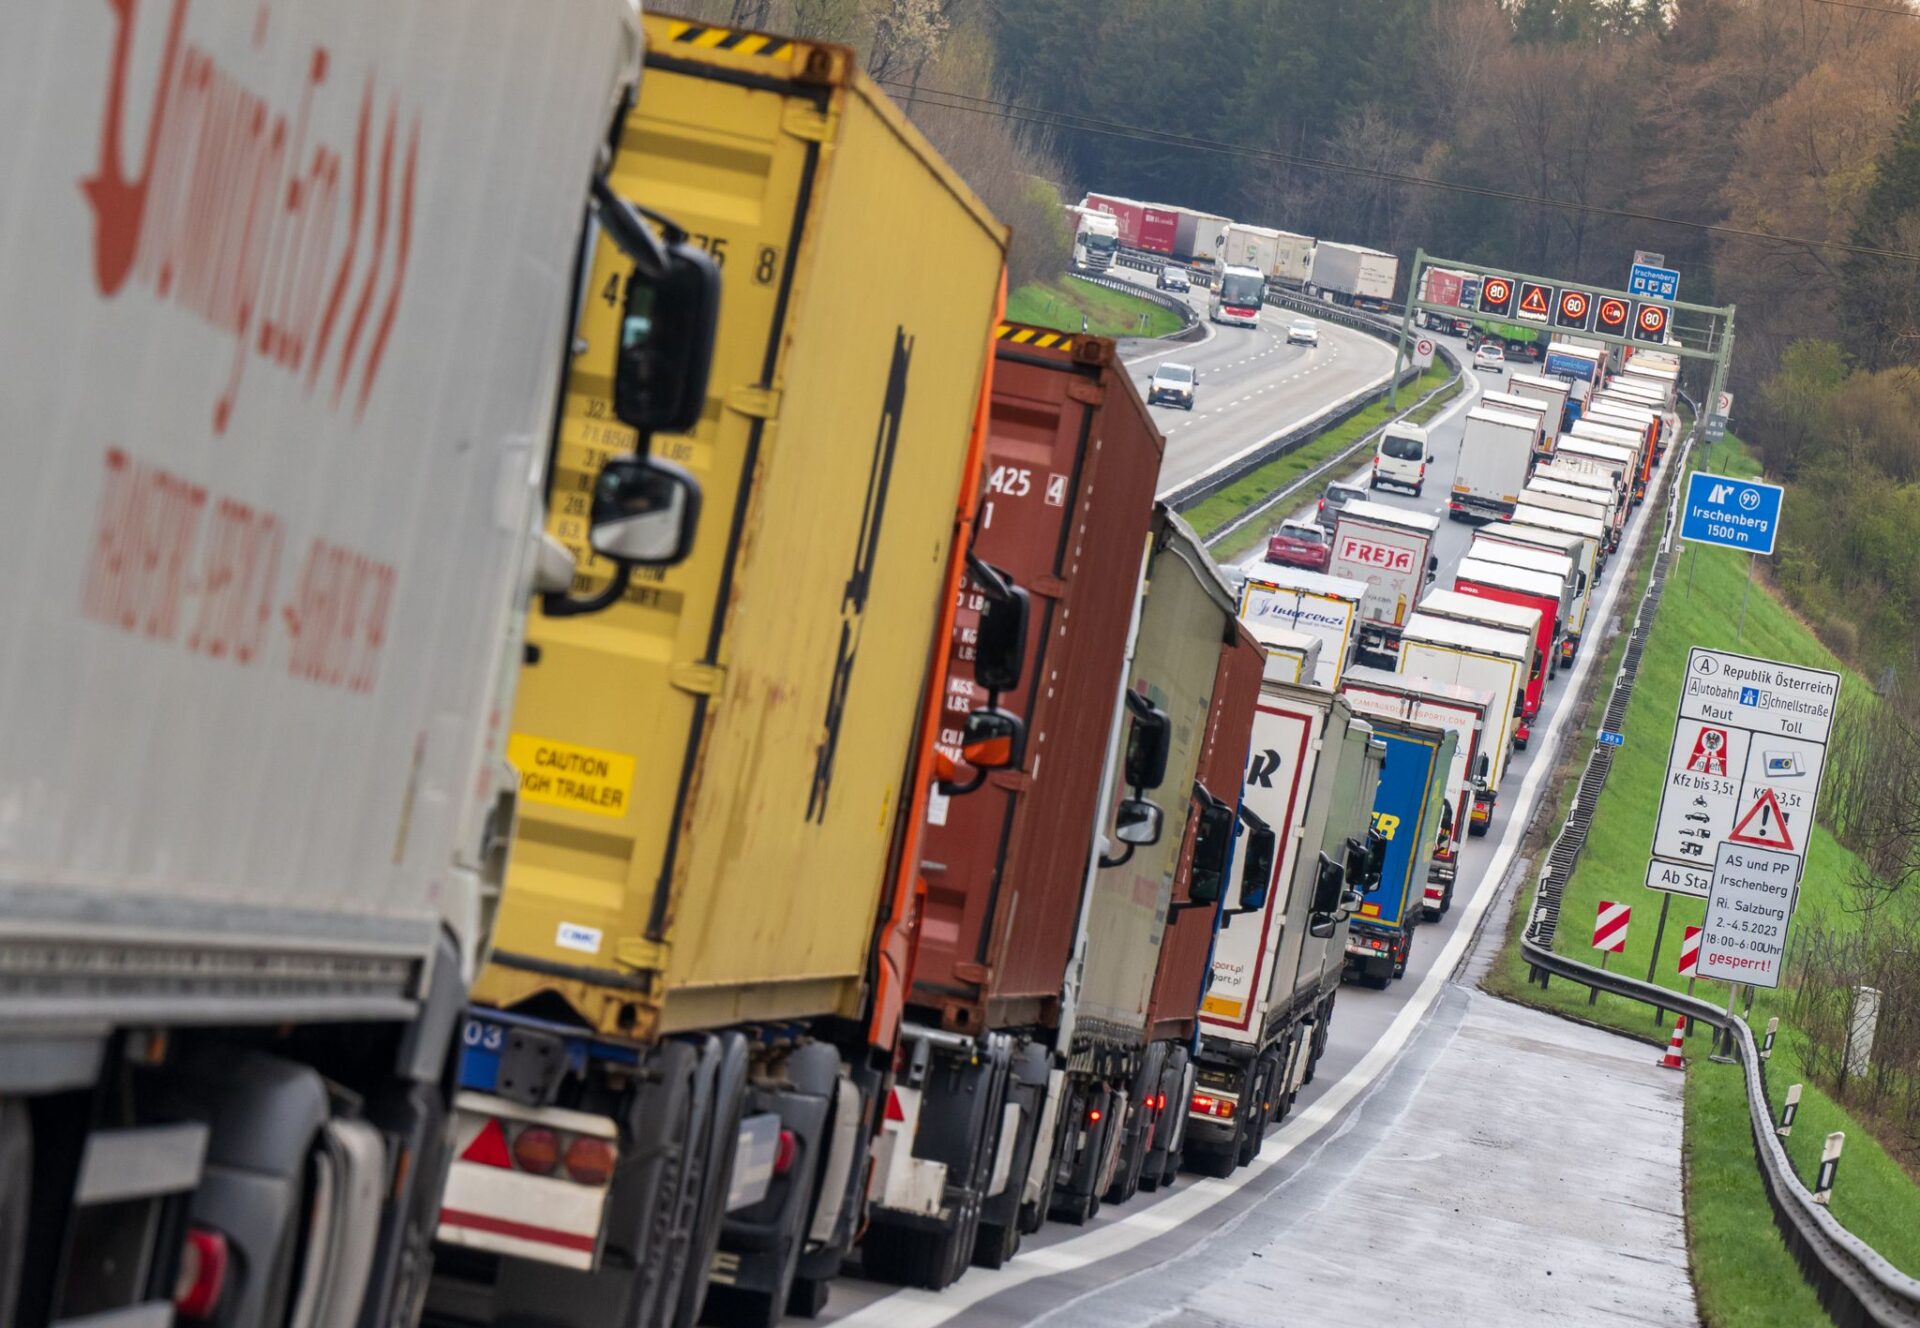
x=1749, y=747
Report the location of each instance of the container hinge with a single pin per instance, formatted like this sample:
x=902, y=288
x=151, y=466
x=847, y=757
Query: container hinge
x=700, y=679
x=761, y=403
x=803, y=121
x=1087, y=394
x=638, y=952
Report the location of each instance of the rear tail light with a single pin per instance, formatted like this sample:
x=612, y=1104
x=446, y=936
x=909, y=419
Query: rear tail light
x=1220, y=1108
x=589, y=1161
x=203, y=1274
x=784, y=1154
x=1093, y=1116
x=536, y=1150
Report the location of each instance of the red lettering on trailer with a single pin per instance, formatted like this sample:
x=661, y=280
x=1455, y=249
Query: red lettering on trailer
x=225, y=219
x=168, y=558
x=1369, y=554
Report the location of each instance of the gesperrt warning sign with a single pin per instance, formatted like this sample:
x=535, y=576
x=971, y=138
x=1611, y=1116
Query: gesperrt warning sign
x=1749, y=747
x=1744, y=934
x=563, y=774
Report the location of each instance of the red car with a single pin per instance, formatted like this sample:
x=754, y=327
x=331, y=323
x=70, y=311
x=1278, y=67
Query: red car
x=1301, y=544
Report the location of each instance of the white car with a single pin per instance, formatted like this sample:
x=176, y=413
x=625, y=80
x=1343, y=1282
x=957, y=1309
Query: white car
x=1303, y=332
x=1490, y=356
x=1174, y=384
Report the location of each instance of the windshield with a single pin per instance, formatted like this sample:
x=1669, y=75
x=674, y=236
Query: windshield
x=1305, y=534
x=1101, y=244
x=1175, y=373
x=1238, y=289
x=1302, y=325
x=1339, y=496
x=1401, y=449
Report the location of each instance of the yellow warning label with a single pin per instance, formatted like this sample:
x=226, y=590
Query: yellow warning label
x=1220, y=1005
x=563, y=775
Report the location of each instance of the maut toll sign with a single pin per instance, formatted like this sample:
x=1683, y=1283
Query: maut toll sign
x=1749, y=747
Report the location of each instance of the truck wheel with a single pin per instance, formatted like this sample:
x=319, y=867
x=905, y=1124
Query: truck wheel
x=1446, y=899
x=1400, y=959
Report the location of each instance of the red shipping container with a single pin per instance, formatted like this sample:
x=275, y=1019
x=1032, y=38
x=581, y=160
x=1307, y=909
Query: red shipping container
x=1158, y=227
x=1128, y=214
x=1223, y=761
x=1072, y=459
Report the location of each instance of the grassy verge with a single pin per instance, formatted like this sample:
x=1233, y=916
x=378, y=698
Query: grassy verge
x=1109, y=313
x=1221, y=508
x=1742, y=1269
x=1424, y=413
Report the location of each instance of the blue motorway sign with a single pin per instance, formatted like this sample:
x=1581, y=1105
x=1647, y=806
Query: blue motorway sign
x=1655, y=283
x=1610, y=738
x=1734, y=514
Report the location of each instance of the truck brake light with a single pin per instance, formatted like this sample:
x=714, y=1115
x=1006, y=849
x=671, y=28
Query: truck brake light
x=1221, y=1108
x=784, y=1154
x=589, y=1161
x=203, y=1274
x=536, y=1150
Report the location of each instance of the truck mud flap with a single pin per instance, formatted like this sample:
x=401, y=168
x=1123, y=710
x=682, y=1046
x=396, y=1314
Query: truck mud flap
x=1027, y=1090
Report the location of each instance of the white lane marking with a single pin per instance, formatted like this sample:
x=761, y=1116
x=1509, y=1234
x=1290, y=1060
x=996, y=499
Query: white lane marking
x=928, y=1309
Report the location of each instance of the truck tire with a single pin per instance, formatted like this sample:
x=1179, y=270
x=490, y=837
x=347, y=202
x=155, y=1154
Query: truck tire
x=711, y=1172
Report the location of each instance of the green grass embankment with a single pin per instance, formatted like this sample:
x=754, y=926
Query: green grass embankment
x=1218, y=510
x=1743, y=1272
x=1109, y=313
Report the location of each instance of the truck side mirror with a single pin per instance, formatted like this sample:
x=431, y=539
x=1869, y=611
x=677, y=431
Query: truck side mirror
x=645, y=512
x=1376, y=859
x=1147, y=743
x=993, y=739
x=1256, y=870
x=1137, y=822
x=1330, y=879
x=667, y=320
x=1321, y=926
x=1483, y=768
x=1000, y=639
x=1212, y=847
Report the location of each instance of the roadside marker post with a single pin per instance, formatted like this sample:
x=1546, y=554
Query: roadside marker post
x=1766, y=1048
x=1788, y=1111
x=1609, y=937
x=1829, y=1168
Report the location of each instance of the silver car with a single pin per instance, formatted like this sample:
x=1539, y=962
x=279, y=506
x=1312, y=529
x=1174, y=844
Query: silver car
x=1303, y=332
x=1173, y=384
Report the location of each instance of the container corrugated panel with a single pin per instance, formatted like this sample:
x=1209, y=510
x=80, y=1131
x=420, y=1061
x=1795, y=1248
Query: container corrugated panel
x=727, y=748
x=1340, y=780
x=1175, y=1004
x=1072, y=460
x=1183, y=622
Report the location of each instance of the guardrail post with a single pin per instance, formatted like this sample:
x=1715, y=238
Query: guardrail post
x=1788, y=1111
x=1723, y=1036
x=1766, y=1048
x=1829, y=1167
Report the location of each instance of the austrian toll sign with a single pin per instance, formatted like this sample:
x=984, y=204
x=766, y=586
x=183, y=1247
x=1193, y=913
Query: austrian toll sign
x=1749, y=747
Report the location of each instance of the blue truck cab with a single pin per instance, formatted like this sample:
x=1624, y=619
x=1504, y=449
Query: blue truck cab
x=1407, y=812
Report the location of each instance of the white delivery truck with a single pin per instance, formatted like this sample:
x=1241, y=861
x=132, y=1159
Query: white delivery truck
x=1312, y=770
x=1327, y=607
x=1549, y=552
x=1463, y=712
x=1483, y=658
x=274, y=442
x=1592, y=534
x=1290, y=656
x=1496, y=456
x=1577, y=499
x=1585, y=473
x=1282, y=257
x=1628, y=413
x=1391, y=552
x=1355, y=275
x=1620, y=463
x=1400, y=458
x=1631, y=441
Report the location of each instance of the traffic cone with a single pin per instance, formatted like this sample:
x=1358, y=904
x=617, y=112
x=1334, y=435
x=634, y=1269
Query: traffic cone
x=1675, y=1058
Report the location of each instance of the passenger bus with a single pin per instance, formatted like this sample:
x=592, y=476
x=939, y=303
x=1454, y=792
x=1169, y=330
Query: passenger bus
x=1238, y=296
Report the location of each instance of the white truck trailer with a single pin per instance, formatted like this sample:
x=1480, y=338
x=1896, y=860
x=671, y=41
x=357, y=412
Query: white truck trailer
x=1354, y=275
x=1496, y=456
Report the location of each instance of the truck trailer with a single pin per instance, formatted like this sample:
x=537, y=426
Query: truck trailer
x=1548, y=553
x=256, y=781
x=1409, y=809
x=1327, y=607
x=1390, y=551
x=1496, y=456
x=765, y=713
x=1072, y=457
x=1451, y=287
x=1283, y=258
x=1354, y=275
x=1486, y=612
x=1484, y=659
x=1310, y=778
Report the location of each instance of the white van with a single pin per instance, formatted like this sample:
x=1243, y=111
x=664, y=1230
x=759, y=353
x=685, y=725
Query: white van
x=1400, y=458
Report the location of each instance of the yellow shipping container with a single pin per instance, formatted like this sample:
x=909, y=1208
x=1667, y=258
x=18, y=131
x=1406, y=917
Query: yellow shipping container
x=712, y=770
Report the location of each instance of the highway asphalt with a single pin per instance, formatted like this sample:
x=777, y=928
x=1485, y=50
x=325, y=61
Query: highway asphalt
x=1371, y=1031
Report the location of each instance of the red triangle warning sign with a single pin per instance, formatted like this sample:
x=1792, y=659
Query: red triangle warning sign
x=1764, y=825
x=1533, y=299
x=489, y=1147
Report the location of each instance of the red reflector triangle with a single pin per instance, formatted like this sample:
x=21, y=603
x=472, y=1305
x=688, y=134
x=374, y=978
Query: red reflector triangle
x=489, y=1147
x=893, y=1107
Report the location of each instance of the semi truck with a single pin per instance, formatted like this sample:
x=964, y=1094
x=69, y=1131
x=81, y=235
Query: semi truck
x=1096, y=241
x=1326, y=607
x=1147, y=227
x=1354, y=275
x=1549, y=553
x=256, y=780
x=1496, y=456
x=1186, y=618
x=1375, y=693
x=678, y=1052
x=1591, y=531
x=1596, y=500
x=1199, y=240
x=1617, y=449
x=1579, y=366
x=1071, y=457
x=1291, y=656
x=1453, y=288
x=1553, y=392
x=1409, y=809
x=1282, y=257
x=1527, y=407
x=1484, y=659
x=1455, y=606
x=1390, y=551
x=1587, y=474
x=1310, y=779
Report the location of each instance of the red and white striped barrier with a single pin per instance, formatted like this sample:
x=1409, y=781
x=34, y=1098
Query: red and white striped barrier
x=1610, y=927
x=1690, y=952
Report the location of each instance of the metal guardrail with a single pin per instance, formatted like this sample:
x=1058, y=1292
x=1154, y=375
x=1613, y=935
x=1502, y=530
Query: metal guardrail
x=1855, y=1283
x=1188, y=318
